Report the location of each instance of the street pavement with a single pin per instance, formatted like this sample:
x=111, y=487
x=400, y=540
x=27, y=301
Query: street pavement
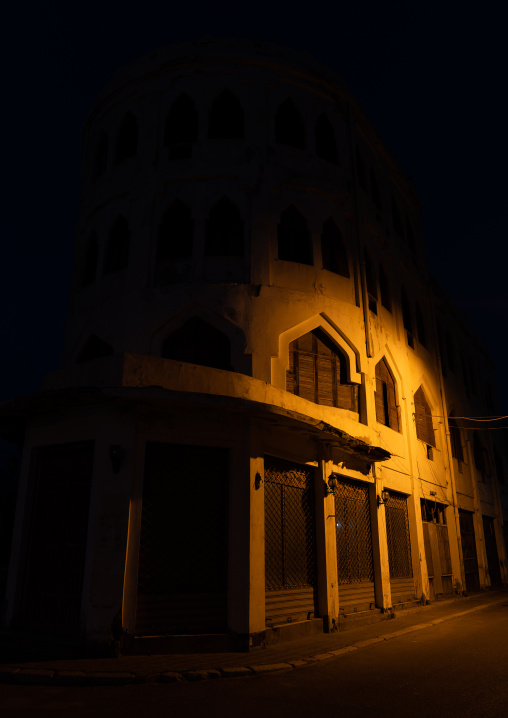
x=272, y=659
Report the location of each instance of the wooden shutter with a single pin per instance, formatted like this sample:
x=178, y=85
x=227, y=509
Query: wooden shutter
x=380, y=409
x=290, y=374
x=423, y=418
x=325, y=367
x=393, y=415
x=306, y=376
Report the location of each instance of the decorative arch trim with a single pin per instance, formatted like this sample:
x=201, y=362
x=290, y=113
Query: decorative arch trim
x=320, y=321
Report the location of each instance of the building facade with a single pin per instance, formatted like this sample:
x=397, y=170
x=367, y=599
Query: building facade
x=262, y=421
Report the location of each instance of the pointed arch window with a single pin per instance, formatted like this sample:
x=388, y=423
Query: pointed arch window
x=289, y=125
x=224, y=234
x=116, y=252
x=90, y=258
x=226, y=117
x=326, y=142
x=420, y=326
x=386, y=404
x=175, y=239
x=384, y=289
x=407, y=319
x=101, y=156
x=333, y=251
x=181, y=127
x=94, y=348
x=127, y=138
x=455, y=439
x=198, y=342
x=371, y=281
x=396, y=218
x=318, y=372
x=423, y=419
x=294, y=238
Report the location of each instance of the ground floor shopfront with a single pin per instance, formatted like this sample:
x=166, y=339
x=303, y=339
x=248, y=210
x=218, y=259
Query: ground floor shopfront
x=164, y=517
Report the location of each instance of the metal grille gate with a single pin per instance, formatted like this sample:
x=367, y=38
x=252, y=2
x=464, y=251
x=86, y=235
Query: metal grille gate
x=468, y=541
x=399, y=548
x=355, y=566
x=290, y=544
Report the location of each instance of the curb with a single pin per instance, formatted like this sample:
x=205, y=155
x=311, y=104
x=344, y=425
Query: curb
x=44, y=677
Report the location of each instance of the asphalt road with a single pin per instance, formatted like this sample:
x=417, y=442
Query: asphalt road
x=457, y=668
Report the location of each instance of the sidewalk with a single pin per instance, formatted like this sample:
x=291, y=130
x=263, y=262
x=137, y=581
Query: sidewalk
x=285, y=656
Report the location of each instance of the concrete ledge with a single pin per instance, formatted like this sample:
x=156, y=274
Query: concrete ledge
x=169, y=677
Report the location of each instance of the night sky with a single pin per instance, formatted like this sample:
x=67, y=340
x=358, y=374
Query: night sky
x=431, y=78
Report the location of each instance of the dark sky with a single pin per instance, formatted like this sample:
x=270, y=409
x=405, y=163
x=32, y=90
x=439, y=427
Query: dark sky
x=431, y=78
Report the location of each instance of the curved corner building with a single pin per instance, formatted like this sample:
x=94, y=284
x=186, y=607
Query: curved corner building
x=250, y=427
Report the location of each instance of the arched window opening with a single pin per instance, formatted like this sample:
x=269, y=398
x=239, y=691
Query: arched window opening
x=289, y=125
x=94, y=348
x=226, y=120
x=294, y=239
x=396, y=218
x=374, y=192
x=420, y=326
x=326, y=143
x=174, y=245
x=455, y=439
x=481, y=457
x=89, y=268
x=410, y=235
x=384, y=290
x=116, y=253
x=386, y=404
x=371, y=281
x=126, y=139
x=407, y=319
x=360, y=169
x=224, y=235
x=423, y=419
x=101, y=156
x=333, y=251
x=181, y=127
x=197, y=342
x=318, y=372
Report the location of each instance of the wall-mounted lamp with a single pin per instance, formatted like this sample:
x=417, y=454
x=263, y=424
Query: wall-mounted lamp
x=381, y=500
x=332, y=484
x=116, y=456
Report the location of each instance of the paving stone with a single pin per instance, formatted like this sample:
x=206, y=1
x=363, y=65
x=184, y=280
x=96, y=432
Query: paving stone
x=169, y=677
x=297, y=663
x=236, y=671
x=321, y=657
x=33, y=677
x=269, y=667
x=203, y=675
